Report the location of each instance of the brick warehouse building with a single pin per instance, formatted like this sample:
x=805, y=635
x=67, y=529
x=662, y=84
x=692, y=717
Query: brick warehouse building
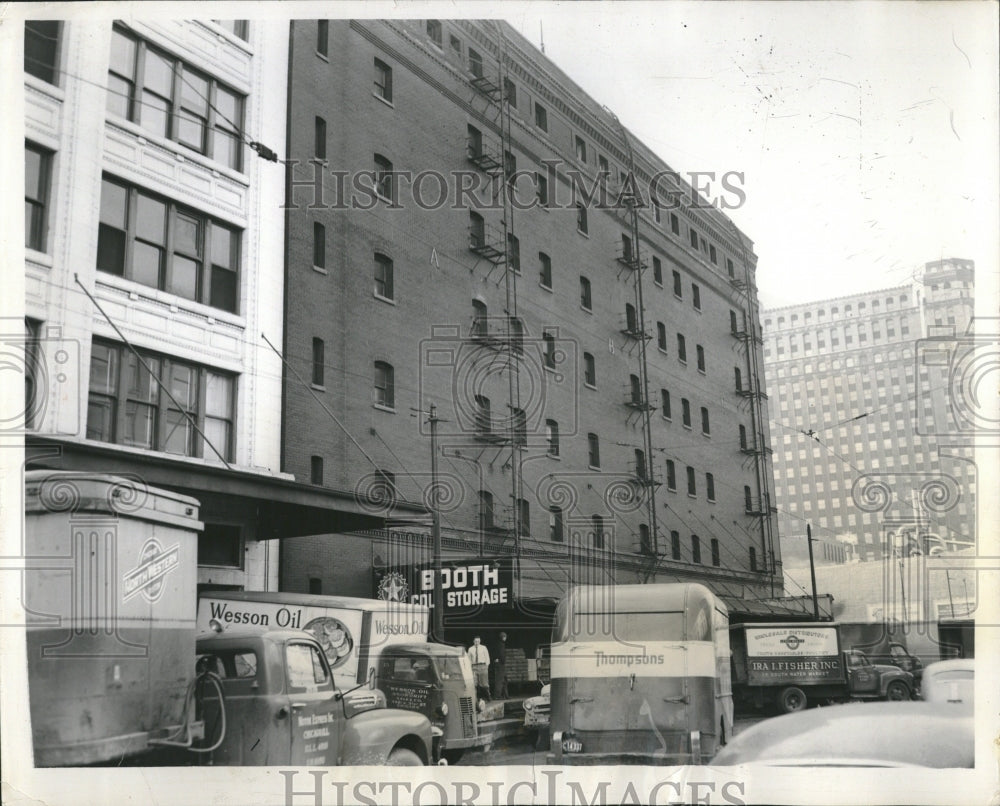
x=888, y=467
x=151, y=269
x=596, y=374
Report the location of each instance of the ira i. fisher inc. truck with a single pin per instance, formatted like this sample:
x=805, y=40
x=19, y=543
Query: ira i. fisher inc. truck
x=792, y=665
x=352, y=631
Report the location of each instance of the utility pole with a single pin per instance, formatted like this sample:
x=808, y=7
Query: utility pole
x=438, y=628
x=812, y=570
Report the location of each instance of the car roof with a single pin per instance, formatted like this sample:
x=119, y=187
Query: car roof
x=866, y=734
x=442, y=650
x=959, y=664
x=251, y=636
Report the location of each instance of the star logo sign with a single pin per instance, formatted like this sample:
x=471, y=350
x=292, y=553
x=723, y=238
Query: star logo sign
x=392, y=587
x=793, y=642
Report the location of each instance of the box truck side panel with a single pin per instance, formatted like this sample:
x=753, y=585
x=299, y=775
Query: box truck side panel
x=792, y=655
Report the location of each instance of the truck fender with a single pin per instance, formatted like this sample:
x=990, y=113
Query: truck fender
x=369, y=737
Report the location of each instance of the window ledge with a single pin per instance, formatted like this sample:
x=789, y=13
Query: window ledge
x=38, y=258
x=555, y=456
x=585, y=309
x=678, y=297
x=594, y=467
x=687, y=428
x=323, y=56
x=702, y=372
x=54, y=91
x=544, y=287
x=380, y=298
x=706, y=435
x=320, y=270
x=382, y=407
x=584, y=234
x=590, y=386
x=318, y=387
x=384, y=100
x=156, y=296
x=682, y=361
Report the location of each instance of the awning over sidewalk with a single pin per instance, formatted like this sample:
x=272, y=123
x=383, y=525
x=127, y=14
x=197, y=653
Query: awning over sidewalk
x=284, y=507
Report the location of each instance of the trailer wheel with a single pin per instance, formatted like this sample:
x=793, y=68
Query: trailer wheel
x=401, y=757
x=791, y=699
x=897, y=690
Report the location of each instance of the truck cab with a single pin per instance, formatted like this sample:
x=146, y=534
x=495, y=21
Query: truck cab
x=875, y=680
x=268, y=698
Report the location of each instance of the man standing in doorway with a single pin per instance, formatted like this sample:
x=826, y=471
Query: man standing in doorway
x=500, y=670
x=480, y=657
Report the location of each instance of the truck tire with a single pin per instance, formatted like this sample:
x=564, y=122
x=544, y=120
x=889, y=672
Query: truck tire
x=897, y=690
x=401, y=757
x=791, y=699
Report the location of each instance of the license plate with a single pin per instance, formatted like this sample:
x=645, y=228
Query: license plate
x=572, y=745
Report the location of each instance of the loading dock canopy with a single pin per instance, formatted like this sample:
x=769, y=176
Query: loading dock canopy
x=284, y=507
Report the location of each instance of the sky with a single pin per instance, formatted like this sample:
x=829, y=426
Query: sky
x=866, y=132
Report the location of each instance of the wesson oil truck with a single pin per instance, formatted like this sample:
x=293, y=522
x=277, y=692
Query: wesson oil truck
x=114, y=671
x=789, y=666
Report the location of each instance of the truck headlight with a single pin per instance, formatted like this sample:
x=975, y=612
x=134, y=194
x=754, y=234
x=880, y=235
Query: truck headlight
x=528, y=706
x=443, y=709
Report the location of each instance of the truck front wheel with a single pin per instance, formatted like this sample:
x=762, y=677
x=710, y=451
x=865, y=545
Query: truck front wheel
x=791, y=699
x=401, y=757
x=897, y=690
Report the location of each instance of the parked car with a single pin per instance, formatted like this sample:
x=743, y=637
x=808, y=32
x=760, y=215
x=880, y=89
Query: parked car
x=949, y=681
x=883, y=734
x=536, y=709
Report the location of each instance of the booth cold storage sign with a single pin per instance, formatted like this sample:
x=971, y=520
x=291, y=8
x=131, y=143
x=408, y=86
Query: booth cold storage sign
x=468, y=586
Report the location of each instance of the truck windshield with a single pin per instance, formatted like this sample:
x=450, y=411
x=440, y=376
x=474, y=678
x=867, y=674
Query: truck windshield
x=449, y=668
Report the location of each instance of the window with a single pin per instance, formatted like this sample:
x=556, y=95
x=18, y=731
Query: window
x=657, y=271
x=695, y=549
x=700, y=353
x=238, y=28
x=520, y=422
x=585, y=297
x=681, y=349
x=675, y=544
x=477, y=231
x=37, y=167
x=524, y=510
x=322, y=37
x=730, y=268
x=315, y=586
x=305, y=670
x=626, y=248
x=556, y=524
x=671, y=475
x=738, y=377
x=631, y=320
x=635, y=390
x=434, y=31
x=692, y=487
x=589, y=370
x=385, y=385
x=593, y=451
x=475, y=63
x=704, y=421
x=509, y=164
x=753, y=559
x=685, y=412
x=513, y=252
x=743, y=438
x=549, y=355
x=696, y=296
x=41, y=49
x=710, y=486
x=678, y=290
x=156, y=242
x=510, y=92
x=221, y=545
x=541, y=117
x=544, y=270
x=484, y=415
x=747, y=499
x=552, y=437
x=581, y=148
x=384, y=178
x=516, y=335
x=675, y=224
x=639, y=457
x=645, y=546
x=129, y=404
x=597, y=530
x=542, y=189
x=661, y=336
x=383, y=276
x=716, y=559
x=32, y=406
x=319, y=148
x=693, y=236
x=733, y=323
x=485, y=511
x=318, y=362
x=665, y=403
x=170, y=99
x=581, y=218
x=319, y=245
x=383, y=80
x=316, y=469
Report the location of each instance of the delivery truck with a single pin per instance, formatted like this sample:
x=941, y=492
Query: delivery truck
x=117, y=672
x=790, y=666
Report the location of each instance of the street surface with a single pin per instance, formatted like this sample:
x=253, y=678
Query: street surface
x=519, y=749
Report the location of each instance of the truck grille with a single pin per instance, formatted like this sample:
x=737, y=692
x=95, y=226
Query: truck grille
x=467, y=709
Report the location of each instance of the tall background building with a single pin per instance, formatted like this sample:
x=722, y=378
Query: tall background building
x=872, y=446
x=596, y=374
